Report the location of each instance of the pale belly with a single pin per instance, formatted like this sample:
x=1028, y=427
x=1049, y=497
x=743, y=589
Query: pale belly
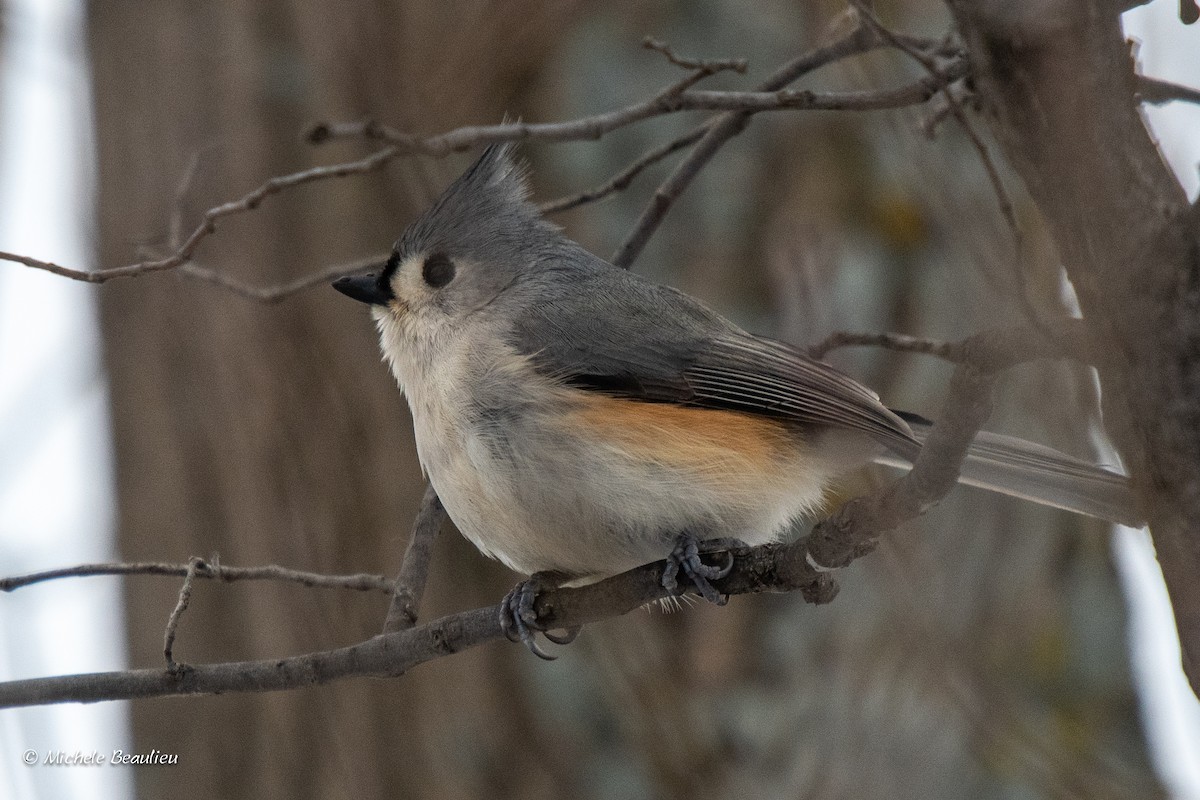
x=599, y=485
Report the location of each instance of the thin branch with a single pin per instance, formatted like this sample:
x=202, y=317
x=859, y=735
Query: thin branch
x=181, y=605
x=701, y=69
x=622, y=179
x=950, y=351
x=956, y=110
x=859, y=40
x=585, y=128
x=361, y=582
x=748, y=102
x=804, y=565
x=855, y=528
x=274, y=294
x=768, y=98
x=208, y=226
x=1157, y=92
x=414, y=569
x=709, y=66
x=913, y=93
x=939, y=108
x=991, y=350
x=767, y=568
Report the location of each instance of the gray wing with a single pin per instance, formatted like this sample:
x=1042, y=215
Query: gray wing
x=610, y=331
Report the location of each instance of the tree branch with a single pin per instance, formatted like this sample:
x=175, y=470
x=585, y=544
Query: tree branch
x=1064, y=338
x=900, y=342
x=181, y=605
x=1058, y=85
x=855, y=528
x=804, y=565
x=393, y=654
x=669, y=101
x=269, y=295
x=208, y=226
x=1157, y=92
x=860, y=39
x=623, y=178
x=706, y=67
x=414, y=569
x=210, y=569
x=766, y=98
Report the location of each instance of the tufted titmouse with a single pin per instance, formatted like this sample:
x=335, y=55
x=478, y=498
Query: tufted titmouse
x=578, y=420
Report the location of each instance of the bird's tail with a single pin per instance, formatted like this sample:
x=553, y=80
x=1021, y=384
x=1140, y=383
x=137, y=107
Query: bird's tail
x=1037, y=473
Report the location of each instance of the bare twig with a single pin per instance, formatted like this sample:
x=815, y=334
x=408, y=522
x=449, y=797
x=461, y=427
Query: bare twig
x=859, y=40
x=274, y=294
x=622, y=179
x=181, y=605
x=208, y=226
x=804, y=99
x=588, y=127
x=747, y=102
x=939, y=108
x=804, y=565
x=770, y=97
x=204, y=569
x=855, y=528
x=414, y=569
x=949, y=351
x=1156, y=92
x=954, y=107
x=710, y=66
x=1064, y=338
x=701, y=69
x=460, y=139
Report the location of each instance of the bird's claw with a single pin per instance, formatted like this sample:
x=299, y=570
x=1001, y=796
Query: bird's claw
x=685, y=558
x=519, y=620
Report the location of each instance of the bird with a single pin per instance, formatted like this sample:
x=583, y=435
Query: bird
x=578, y=420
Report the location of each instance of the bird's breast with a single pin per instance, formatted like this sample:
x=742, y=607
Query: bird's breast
x=544, y=476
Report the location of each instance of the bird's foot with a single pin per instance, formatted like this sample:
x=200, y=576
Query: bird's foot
x=519, y=621
x=685, y=558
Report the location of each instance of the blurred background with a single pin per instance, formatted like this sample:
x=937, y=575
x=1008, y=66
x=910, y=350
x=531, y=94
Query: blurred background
x=983, y=651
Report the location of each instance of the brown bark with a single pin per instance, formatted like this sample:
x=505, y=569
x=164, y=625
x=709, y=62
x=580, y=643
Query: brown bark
x=1058, y=82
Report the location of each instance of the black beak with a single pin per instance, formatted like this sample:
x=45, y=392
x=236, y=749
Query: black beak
x=364, y=288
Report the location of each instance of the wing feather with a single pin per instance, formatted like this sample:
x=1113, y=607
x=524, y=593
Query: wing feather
x=605, y=330
x=620, y=335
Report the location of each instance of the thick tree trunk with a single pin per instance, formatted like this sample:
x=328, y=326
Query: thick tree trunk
x=1058, y=81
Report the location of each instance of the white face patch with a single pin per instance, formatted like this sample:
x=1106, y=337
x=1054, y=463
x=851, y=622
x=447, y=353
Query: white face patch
x=407, y=285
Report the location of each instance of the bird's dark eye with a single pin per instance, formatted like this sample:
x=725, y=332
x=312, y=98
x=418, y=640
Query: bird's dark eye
x=438, y=270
